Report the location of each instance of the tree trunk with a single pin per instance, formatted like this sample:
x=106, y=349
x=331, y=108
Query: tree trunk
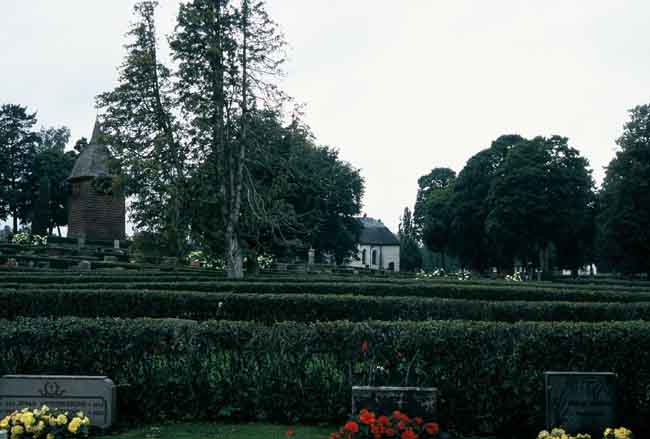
x=252, y=267
x=14, y=214
x=58, y=230
x=234, y=261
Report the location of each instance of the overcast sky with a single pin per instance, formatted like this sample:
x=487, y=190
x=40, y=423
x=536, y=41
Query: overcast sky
x=399, y=87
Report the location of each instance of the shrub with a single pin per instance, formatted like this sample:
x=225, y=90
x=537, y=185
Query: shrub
x=490, y=375
x=298, y=307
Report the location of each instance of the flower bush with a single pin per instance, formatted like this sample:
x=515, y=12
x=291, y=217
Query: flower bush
x=369, y=425
x=44, y=423
x=26, y=238
x=609, y=433
x=515, y=277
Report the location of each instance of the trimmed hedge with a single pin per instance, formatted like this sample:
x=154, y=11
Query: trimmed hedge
x=449, y=291
x=299, y=307
x=490, y=375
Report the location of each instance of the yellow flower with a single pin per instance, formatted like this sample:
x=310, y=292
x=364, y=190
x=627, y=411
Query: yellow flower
x=17, y=430
x=49, y=436
x=4, y=424
x=27, y=418
x=85, y=421
x=543, y=435
x=622, y=433
x=52, y=420
x=61, y=420
x=74, y=425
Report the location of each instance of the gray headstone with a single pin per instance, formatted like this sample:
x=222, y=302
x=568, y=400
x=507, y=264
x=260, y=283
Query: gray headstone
x=413, y=401
x=3, y=434
x=580, y=402
x=108, y=258
x=116, y=244
x=311, y=256
x=81, y=241
x=84, y=265
x=93, y=395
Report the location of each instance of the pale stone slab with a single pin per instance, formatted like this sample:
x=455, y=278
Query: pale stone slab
x=93, y=395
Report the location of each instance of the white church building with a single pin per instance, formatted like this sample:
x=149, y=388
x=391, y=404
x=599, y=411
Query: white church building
x=378, y=247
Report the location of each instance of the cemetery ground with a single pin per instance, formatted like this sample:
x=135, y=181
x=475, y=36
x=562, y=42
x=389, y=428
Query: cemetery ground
x=285, y=349
x=223, y=431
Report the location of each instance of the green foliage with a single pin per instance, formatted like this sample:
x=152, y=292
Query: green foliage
x=517, y=200
x=445, y=290
x=410, y=256
x=624, y=216
x=240, y=306
x=18, y=144
x=293, y=371
x=432, y=214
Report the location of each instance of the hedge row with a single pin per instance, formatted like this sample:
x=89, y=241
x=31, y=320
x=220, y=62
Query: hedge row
x=449, y=291
x=299, y=307
x=490, y=375
x=58, y=276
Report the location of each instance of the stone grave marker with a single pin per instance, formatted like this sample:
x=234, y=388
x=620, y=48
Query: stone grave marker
x=93, y=395
x=414, y=401
x=84, y=265
x=580, y=402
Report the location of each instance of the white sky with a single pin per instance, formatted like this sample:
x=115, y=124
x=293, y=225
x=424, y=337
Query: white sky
x=399, y=87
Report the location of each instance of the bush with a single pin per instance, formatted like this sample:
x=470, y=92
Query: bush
x=298, y=307
x=446, y=291
x=490, y=375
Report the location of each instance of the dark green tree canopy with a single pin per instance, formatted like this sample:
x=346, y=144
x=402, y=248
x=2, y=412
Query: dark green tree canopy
x=516, y=200
x=624, y=217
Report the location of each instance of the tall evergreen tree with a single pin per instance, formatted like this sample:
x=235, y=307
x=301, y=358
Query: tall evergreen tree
x=410, y=256
x=146, y=136
x=226, y=51
x=18, y=143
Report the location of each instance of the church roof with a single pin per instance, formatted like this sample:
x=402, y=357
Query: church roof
x=374, y=232
x=93, y=159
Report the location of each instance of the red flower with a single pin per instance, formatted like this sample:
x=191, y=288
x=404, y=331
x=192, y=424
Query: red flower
x=335, y=436
x=364, y=346
x=401, y=425
x=431, y=428
x=377, y=430
x=352, y=427
x=409, y=434
x=399, y=416
x=290, y=433
x=367, y=417
x=390, y=432
x=383, y=420
x=418, y=420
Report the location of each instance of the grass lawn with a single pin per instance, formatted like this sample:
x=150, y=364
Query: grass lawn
x=223, y=431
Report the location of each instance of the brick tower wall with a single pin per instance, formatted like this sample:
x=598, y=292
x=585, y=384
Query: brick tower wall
x=95, y=216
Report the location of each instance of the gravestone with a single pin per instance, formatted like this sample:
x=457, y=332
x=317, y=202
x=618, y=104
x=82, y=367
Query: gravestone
x=109, y=258
x=84, y=265
x=413, y=401
x=93, y=395
x=580, y=402
x=116, y=244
